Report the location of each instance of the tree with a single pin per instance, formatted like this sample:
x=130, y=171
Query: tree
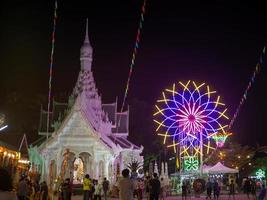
x=232, y=155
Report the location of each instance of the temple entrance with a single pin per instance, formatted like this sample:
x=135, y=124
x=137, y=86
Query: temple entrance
x=78, y=171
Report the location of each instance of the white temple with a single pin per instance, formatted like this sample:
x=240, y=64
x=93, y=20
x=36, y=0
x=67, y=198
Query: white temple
x=87, y=137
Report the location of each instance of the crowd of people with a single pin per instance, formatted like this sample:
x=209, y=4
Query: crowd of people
x=127, y=187
x=250, y=189
x=213, y=188
x=29, y=190
x=151, y=188
x=25, y=189
x=93, y=189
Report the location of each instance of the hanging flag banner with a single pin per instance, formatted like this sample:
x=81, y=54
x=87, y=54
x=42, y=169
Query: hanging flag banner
x=251, y=81
x=136, y=46
x=51, y=67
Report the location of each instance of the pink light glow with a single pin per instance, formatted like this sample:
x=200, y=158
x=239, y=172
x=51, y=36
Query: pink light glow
x=191, y=119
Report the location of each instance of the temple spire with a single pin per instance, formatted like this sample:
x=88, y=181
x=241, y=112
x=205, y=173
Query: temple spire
x=86, y=39
x=86, y=56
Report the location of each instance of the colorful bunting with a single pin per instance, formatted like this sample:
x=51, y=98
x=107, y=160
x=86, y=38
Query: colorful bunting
x=244, y=97
x=220, y=138
x=51, y=65
x=136, y=46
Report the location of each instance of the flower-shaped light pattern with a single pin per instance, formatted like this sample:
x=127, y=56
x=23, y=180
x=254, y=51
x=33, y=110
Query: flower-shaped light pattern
x=260, y=174
x=191, y=163
x=190, y=110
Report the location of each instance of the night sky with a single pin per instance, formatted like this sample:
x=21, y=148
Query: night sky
x=214, y=42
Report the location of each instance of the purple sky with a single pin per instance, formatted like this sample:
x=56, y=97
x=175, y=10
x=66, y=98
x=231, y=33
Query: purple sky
x=216, y=43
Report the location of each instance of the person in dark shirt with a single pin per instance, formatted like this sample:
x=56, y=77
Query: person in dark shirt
x=184, y=191
x=154, y=187
x=232, y=190
x=209, y=189
x=105, y=186
x=253, y=189
x=66, y=189
x=262, y=194
x=247, y=187
x=216, y=190
x=147, y=187
x=44, y=190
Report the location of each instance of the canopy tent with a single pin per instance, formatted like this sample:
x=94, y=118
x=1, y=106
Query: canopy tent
x=219, y=168
x=205, y=169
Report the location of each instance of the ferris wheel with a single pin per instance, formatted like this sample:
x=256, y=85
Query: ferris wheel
x=192, y=120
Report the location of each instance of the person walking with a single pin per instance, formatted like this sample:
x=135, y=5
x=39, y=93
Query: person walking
x=253, y=189
x=162, y=189
x=247, y=187
x=140, y=188
x=66, y=189
x=231, y=190
x=216, y=190
x=147, y=187
x=6, y=186
x=262, y=194
x=209, y=189
x=188, y=188
x=98, y=191
x=154, y=187
x=44, y=191
x=22, y=189
x=126, y=186
x=184, y=191
x=105, y=186
x=87, y=187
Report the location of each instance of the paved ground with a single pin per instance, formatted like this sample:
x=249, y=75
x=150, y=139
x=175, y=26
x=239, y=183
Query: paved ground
x=223, y=197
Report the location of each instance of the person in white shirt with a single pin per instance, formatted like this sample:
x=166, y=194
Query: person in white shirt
x=126, y=186
x=98, y=191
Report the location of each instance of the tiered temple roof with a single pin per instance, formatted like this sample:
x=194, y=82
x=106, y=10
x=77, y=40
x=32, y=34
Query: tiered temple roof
x=111, y=125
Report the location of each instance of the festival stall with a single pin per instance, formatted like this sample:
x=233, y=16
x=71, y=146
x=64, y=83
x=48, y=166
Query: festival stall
x=9, y=157
x=219, y=168
x=224, y=175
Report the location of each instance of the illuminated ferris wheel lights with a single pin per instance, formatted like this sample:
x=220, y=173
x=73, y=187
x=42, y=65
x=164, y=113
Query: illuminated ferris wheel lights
x=160, y=124
x=198, y=87
x=223, y=114
x=189, y=113
x=185, y=86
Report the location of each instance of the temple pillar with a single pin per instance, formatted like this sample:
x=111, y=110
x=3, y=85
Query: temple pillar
x=90, y=166
x=59, y=159
x=96, y=172
x=106, y=168
x=121, y=162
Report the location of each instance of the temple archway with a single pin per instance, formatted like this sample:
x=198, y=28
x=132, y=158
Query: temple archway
x=78, y=171
x=67, y=164
x=87, y=162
